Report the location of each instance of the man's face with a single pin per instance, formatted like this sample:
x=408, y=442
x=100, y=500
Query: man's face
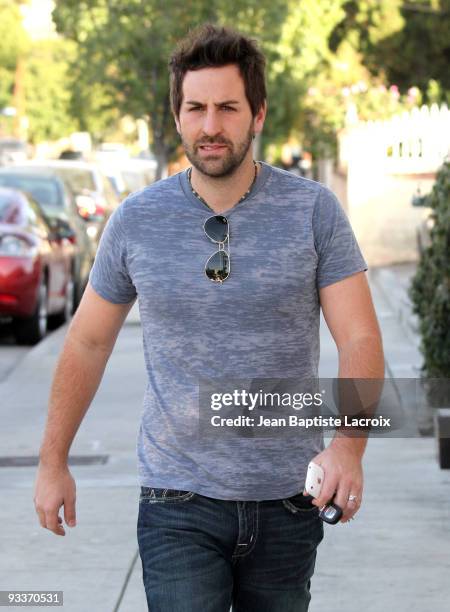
x=215, y=123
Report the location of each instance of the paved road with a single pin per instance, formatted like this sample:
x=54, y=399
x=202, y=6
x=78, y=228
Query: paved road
x=10, y=353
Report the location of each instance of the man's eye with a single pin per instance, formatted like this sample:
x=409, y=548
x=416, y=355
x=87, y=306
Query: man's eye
x=228, y=108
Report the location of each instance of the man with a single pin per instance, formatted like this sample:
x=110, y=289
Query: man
x=230, y=261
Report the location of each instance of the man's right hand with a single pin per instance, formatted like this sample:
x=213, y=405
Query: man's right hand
x=55, y=487
x=87, y=346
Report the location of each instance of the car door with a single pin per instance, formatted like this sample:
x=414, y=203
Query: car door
x=55, y=256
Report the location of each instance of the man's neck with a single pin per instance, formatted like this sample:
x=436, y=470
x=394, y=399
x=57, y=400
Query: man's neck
x=223, y=193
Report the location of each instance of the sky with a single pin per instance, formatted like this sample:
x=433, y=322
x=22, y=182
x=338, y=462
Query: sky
x=37, y=18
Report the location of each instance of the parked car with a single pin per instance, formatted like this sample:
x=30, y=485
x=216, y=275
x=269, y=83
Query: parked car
x=69, y=154
x=93, y=215
x=58, y=204
x=85, y=179
x=37, y=258
x=111, y=152
x=12, y=150
x=129, y=175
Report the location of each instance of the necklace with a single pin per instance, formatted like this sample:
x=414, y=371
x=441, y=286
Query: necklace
x=199, y=197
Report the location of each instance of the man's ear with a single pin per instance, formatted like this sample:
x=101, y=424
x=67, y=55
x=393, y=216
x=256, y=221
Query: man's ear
x=258, y=121
x=177, y=124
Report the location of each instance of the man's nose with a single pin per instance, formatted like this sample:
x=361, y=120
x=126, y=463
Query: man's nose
x=211, y=123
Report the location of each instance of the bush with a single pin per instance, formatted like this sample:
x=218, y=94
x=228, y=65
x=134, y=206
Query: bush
x=430, y=287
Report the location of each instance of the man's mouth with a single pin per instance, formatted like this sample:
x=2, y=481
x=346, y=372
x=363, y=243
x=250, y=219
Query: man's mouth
x=213, y=147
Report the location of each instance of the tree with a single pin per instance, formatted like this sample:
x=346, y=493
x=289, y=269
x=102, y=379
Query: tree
x=33, y=77
x=47, y=93
x=355, y=76
x=406, y=41
x=15, y=44
x=346, y=91
x=295, y=62
x=366, y=23
x=430, y=287
x=421, y=49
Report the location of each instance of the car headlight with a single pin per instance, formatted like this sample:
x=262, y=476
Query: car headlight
x=14, y=246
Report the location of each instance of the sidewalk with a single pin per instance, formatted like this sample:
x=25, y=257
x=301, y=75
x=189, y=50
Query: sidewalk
x=396, y=553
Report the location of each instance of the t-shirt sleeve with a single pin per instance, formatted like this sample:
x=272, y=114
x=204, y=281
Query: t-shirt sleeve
x=109, y=275
x=336, y=246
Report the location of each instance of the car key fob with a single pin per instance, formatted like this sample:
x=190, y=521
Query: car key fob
x=330, y=513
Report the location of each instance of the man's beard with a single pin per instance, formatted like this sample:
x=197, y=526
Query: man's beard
x=227, y=163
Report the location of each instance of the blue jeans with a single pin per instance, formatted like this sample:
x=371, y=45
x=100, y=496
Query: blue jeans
x=200, y=553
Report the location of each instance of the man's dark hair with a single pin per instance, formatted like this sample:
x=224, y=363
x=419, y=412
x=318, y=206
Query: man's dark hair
x=209, y=46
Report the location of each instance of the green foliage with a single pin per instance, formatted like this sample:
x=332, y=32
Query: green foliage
x=43, y=78
x=46, y=91
x=343, y=91
x=14, y=39
x=297, y=58
x=421, y=48
x=430, y=287
x=406, y=41
x=349, y=86
x=436, y=94
x=385, y=57
x=367, y=23
x=14, y=43
x=6, y=86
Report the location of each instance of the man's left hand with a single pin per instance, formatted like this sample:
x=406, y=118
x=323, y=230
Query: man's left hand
x=344, y=475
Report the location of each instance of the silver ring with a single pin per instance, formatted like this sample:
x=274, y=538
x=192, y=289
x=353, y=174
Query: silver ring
x=352, y=498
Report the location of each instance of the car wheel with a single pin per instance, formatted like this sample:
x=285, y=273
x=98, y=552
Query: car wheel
x=77, y=293
x=31, y=330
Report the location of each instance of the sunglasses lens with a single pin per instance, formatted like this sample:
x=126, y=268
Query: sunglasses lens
x=216, y=228
x=218, y=266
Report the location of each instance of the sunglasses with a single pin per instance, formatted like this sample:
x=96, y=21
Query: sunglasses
x=217, y=268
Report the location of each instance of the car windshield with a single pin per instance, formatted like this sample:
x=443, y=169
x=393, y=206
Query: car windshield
x=11, y=211
x=44, y=190
x=12, y=145
x=77, y=178
x=136, y=180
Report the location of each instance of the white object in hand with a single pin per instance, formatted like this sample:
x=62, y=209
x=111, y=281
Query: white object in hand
x=314, y=479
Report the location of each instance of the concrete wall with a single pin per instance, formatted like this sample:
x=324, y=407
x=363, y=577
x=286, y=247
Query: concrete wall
x=382, y=216
x=379, y=207
x=381, y=166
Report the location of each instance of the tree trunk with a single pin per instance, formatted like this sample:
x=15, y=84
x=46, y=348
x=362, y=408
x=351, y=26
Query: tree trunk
x=19, y=99
x=162, y=159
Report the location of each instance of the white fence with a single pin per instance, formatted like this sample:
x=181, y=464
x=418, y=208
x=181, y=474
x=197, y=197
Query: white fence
x=416, y=141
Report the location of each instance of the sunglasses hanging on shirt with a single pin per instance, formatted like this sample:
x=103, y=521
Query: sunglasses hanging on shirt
x=217, y=268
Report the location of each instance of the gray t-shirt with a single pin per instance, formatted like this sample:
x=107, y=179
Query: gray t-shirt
x=288, y=238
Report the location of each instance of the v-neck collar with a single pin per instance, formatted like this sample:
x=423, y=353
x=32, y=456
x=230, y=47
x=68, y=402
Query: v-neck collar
x=261, y=179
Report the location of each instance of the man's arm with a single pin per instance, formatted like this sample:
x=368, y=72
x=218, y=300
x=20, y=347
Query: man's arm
x=350, y=315
x=89, y=342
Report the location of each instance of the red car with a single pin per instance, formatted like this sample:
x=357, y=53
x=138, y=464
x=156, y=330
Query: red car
x=36, y=267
